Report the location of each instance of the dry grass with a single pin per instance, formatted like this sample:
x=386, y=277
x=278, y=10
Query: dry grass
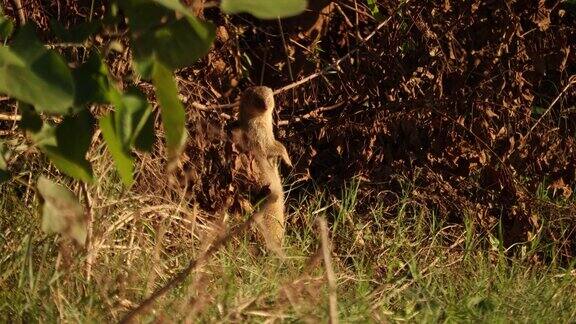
x=408, y=266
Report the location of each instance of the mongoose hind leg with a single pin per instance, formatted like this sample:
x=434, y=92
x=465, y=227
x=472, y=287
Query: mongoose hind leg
x=270, y=222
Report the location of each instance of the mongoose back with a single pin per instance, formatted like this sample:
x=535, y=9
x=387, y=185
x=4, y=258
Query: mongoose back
x=255, y=136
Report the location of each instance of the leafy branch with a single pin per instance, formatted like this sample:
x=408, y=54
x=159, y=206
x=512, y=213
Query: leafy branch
x=54, y=98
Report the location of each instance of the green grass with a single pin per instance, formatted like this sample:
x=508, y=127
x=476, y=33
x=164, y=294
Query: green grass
x=404, y=266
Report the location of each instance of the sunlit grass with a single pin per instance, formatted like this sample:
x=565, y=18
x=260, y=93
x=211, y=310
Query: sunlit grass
x=408, y=266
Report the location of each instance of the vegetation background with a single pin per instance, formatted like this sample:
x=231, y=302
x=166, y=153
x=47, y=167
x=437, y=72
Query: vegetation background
x=437, y=138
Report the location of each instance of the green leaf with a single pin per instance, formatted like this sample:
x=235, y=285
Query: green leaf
x=173, y=114
x=120, y=154
x=157, y=35
x=265, y=9
x=46, y=136
x=77, y=168
x=92, y=82
x=176, y=6
x=144, y=137
x=144, y=15
x=76, y=34
x=177, y=44
x=4, y=173
x=61, y=211
x=74, y=135
x=130, y=126
x=6, y=27
x=66, y=145
x=31, y=73
x=30, y=121
x=132, y=116
x=538, y=111
x=373, y=6
x=135, y=121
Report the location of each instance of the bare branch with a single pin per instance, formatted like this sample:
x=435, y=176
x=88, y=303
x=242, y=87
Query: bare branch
x=327, y=252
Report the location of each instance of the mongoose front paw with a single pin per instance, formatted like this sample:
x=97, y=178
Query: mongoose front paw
x=279, y=150
x=287, y=161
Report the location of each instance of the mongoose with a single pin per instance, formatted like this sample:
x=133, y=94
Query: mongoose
x=254, y=135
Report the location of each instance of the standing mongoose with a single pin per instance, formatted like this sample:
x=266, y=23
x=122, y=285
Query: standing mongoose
x=254, y=135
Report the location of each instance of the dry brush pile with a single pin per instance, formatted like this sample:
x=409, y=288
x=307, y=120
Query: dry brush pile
x=472, y=103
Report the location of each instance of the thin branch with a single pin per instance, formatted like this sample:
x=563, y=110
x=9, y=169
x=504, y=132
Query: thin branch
x=327, y=252
x=65, y=45
x=180, y=277
x=335, y=64
x=18, y=8
x=346, y=19
x=571, y=82
x=315, y=112
x=10, y=117
x=200, y=106
x=306, y=79
x=285, y=50
x=90, y=232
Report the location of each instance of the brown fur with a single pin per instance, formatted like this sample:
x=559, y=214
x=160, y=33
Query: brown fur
x=254, y=134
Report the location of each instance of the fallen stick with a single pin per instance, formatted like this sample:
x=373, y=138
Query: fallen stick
x=327, y=254
x=182, y=275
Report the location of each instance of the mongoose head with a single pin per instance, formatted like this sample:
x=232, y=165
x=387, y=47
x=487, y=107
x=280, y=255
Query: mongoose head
x=256, y=101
